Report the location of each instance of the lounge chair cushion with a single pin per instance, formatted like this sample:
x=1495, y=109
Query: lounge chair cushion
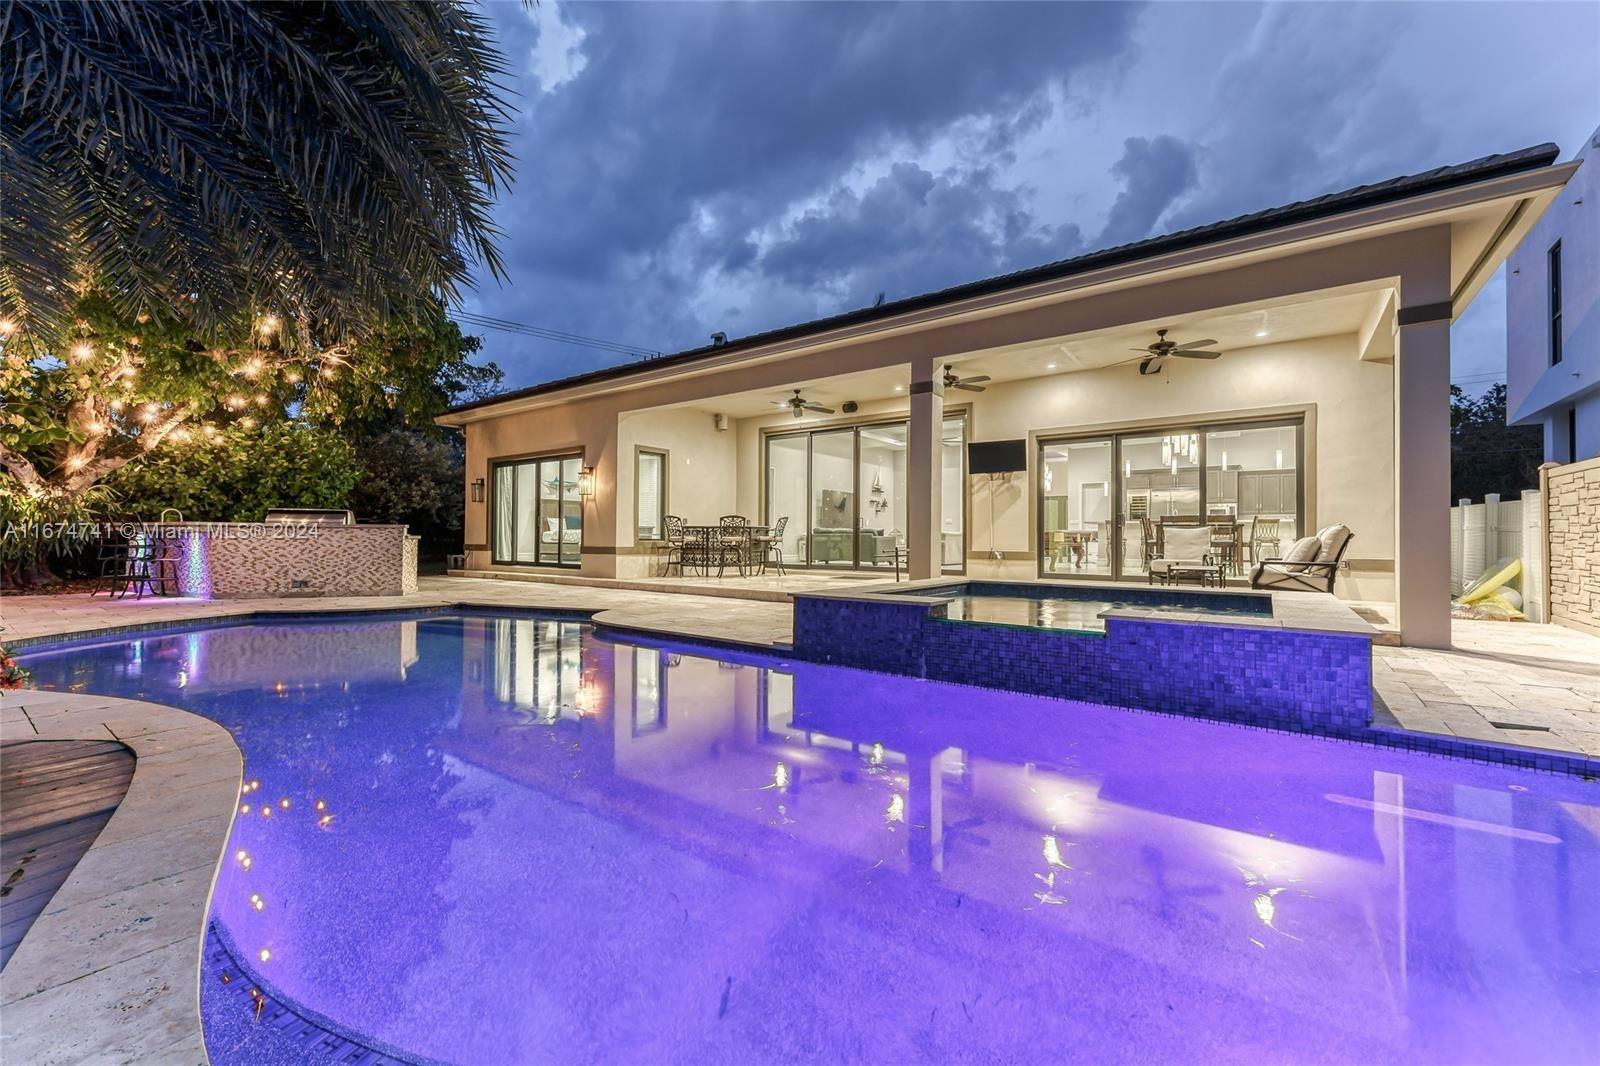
x=1304, y=551
x=1331, y=541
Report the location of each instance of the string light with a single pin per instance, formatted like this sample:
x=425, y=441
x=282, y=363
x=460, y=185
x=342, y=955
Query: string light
x=82, y=351
x=248, y=423
x=76, y=462
x=96, y=427
x=261, y=399
x=116, y=405
x=234, y=402
x=8, y=326
x=293, y=377
x=269, y=325
x=252, y=369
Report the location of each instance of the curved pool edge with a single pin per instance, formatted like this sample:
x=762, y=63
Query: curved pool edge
x=111, y=969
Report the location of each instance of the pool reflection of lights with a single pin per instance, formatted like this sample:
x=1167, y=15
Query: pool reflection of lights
x=780, y=776
x=1052, y=852
x=897, y=808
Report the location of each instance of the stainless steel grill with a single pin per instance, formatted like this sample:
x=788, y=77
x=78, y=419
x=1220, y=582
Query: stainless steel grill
x=311, y=516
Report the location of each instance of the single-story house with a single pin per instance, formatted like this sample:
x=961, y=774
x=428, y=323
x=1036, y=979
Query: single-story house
x=862, y=435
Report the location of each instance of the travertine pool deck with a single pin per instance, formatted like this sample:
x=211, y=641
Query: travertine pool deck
x=109, y=972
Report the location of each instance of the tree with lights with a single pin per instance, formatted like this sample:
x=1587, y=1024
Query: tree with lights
x=220, y=214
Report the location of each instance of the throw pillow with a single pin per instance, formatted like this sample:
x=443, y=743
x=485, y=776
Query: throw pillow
x=1304, y=551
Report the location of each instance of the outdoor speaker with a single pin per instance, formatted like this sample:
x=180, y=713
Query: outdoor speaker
x=849, y=407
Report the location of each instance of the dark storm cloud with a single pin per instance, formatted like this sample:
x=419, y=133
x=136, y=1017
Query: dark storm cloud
x=700, y=167
x=1154, y=172
x=695, y=132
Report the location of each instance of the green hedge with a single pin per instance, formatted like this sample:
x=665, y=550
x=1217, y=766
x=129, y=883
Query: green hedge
x=238, y=475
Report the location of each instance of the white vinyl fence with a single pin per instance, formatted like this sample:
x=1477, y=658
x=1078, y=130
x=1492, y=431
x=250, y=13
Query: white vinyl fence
x=1484, y=533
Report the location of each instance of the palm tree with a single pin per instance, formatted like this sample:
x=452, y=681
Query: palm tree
x=334, y=161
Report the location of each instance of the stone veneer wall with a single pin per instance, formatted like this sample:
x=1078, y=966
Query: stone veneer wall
x=1572, y=522
x=244, y=561
x=1249, y=673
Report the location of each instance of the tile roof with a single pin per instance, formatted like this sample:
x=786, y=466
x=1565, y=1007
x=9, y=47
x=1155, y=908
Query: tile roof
x=1320, y=207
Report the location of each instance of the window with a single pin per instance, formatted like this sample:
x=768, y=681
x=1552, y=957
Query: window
x=650, y=493
x=538, y=514
x=1572, y=434
x=1555, y=303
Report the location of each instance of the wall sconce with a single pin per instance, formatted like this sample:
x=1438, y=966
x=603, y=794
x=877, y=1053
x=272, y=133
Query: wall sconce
x=586, y=481
x=477, y=491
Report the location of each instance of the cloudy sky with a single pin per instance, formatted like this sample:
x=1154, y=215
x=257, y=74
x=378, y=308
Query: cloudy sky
x=685, y=167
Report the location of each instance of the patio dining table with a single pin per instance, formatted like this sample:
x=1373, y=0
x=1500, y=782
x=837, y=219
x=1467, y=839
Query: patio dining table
x=700, y=542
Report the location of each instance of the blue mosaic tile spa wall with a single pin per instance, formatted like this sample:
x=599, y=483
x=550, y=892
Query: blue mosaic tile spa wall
x=1256, y=675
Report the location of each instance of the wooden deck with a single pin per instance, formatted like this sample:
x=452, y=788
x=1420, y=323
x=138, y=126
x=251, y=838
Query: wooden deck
x=55, y=797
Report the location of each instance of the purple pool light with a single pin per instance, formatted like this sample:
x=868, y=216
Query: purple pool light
x=498, y=840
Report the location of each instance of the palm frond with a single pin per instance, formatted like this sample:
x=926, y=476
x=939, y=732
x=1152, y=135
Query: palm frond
x=336, y=158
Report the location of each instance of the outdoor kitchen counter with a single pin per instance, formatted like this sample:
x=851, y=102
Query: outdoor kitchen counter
x=234, y=560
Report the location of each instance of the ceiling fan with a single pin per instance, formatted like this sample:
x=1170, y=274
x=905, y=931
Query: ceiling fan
x=954, y=381
x=799, y=405
x=1157, y=353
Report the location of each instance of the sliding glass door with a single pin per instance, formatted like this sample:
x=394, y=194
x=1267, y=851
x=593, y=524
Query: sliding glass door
x=538, y=514
x=1103, y=500
x=844, y=493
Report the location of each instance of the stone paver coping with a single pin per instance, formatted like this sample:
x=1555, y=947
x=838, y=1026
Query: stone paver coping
x=110, y=970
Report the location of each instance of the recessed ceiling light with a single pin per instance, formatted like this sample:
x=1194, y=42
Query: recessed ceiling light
x=899, y=388
x=1049, y=366
x=1261, y=333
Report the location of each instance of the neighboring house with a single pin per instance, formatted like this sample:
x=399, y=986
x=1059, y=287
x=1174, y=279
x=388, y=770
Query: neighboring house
x=1553, y=319
x=1330, y=403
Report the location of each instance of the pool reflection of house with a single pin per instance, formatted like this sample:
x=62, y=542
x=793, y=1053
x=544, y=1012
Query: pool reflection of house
x=808, y=782
x=1329, y=404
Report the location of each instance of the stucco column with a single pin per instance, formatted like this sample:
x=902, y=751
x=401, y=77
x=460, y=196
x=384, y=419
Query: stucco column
x=924, y=550
x=1422, y=475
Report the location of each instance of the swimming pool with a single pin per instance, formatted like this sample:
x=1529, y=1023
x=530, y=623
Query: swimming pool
x=1079, y=610
x=506, y=839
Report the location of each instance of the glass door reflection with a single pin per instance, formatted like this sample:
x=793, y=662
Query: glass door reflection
x=834, y=514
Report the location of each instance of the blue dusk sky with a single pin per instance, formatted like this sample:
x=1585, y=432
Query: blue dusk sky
x=684, y=168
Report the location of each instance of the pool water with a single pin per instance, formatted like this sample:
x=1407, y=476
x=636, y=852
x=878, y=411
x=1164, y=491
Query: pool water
x=1074, y=613
x=498, y=840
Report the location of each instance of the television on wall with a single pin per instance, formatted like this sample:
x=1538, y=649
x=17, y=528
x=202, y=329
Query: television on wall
x=997, y=456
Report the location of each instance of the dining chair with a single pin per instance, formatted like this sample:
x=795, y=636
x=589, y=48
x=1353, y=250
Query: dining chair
x=672, y=541
x=769, y=545
x=734, y=542
x=1265, y=533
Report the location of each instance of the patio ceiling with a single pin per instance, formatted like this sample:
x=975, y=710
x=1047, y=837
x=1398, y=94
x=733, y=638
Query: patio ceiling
x=1324, y=314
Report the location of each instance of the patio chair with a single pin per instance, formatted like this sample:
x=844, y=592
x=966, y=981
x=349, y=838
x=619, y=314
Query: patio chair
x=769, y=545
x=734, y=543
x=1180, y=546
x=1225, y=539
x=1310, y=566
x=671, y=546
x=1263, y=541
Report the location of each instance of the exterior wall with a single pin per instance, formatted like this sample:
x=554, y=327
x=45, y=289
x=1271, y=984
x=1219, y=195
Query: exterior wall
x=1537, y=392
x=702, y=473
x=1572, y=495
